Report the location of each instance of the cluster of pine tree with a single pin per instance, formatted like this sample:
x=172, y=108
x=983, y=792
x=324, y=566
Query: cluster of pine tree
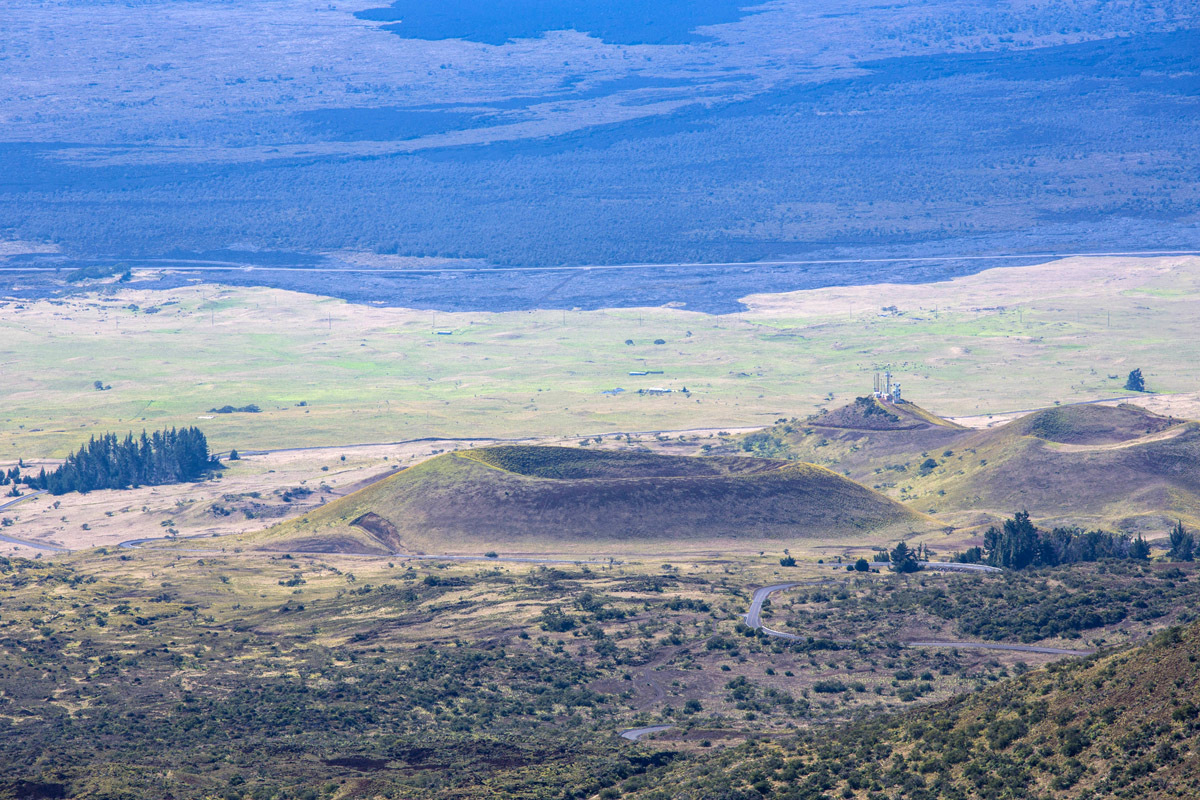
x=154, y=459
x=11, y=476
x=1018, y=543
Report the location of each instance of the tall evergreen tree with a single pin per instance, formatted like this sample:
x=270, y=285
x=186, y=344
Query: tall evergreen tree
x=1139, y=549
x=904, y=559
x=1183, y=543
x=105, y=462
x=1018, y=544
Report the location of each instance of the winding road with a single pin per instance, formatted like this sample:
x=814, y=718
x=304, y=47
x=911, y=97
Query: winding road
x=52, y=548
x=753, y=618
x=633, y=734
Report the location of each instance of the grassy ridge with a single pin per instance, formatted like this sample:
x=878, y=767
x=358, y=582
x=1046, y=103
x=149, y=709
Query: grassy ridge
x=553, y=496
x=1116, y=467
x=568, y=463
x=1092, y=424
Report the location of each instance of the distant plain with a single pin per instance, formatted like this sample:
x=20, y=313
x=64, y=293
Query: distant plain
x=563, y=135
x=1000, y=341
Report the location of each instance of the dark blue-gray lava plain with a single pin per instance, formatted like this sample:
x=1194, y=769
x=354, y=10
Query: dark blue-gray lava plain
x=669, y=133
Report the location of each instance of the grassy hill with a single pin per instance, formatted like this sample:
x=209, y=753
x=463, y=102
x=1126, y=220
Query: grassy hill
x=560, y=498
x=1119, y=467
x=1092, y=424
x=1089, y=465
x=1120, y=725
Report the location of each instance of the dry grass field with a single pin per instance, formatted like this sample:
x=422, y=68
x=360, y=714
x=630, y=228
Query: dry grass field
x=995, y=342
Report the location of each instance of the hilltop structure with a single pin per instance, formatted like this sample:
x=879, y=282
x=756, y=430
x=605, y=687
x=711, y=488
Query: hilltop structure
x=885, y=390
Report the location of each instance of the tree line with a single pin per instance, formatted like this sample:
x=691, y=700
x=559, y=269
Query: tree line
x=107, y=462
x=1018, y=543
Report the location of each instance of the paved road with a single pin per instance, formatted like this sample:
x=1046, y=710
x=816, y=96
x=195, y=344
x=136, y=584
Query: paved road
x=633, y=734
x=227, y=266
x=133, y=544
x=433, y=439
x=1018, y=648
x=950, y=566
x=1125, y=397
x=53, y=548
x=21, y=499
x=753, y=618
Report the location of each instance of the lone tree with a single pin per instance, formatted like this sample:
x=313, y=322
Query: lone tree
x=1183, y=543
x=862, y=565
x=904, y=559
x=1139, y=549
x=1135, y=382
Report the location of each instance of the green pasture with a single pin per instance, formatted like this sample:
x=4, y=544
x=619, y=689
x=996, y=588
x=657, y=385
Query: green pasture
x=374, y=374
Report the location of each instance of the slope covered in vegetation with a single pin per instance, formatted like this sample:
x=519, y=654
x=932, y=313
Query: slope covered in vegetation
x=1122, y=724
x=1118, y=467
x=557, y=496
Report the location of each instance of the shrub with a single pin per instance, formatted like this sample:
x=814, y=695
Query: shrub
x=829, y=687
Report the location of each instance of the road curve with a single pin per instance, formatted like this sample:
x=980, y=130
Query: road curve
x=753, y=618
x=53, y=548
x=21, y=499
x=633, y=734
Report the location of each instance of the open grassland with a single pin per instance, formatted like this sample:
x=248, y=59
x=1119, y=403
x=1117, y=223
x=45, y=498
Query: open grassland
x=145, y=673
x=994, y=342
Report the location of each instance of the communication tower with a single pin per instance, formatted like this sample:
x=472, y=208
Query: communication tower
x=885, y=390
